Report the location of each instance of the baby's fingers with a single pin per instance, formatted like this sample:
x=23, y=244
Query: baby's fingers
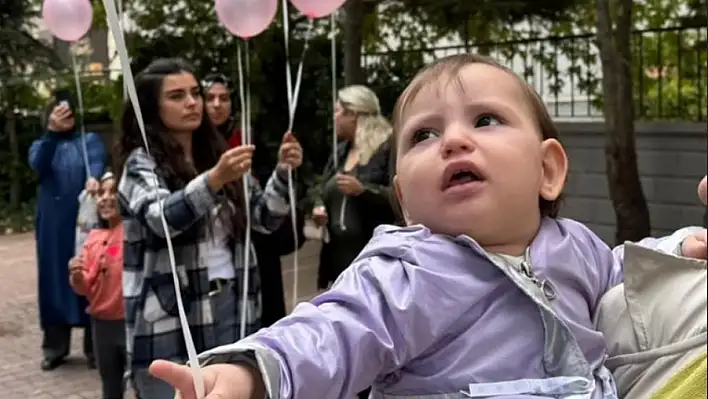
x=695, y=246
x=176, y=375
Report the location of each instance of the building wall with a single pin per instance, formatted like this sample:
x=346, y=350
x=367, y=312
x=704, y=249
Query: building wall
x=672, y=158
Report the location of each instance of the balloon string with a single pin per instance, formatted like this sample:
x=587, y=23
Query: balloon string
x=113, y=23
x=293, y=94
x=333, y=42
x=122, y=29
x=342, y=211
x=298, y=77
x=245, y=139
x=335, y=155
x=80, y=98
x=247, y=87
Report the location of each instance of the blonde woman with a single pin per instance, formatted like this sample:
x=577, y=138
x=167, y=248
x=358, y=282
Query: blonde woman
x=354, y=195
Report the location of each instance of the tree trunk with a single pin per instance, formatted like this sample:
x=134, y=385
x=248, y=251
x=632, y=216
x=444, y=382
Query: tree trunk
x=630, y=205
x=11, y=133
x=352, y=32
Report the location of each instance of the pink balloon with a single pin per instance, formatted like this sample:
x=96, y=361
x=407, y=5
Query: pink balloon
x=246, y=18
x=317, y=8
x=68, y=20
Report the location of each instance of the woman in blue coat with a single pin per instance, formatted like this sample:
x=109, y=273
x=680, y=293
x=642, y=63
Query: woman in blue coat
x=58, y=158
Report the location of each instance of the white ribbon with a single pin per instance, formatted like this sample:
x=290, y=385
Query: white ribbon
x=122, y=30
x=342, y=211
x=333, y=45
x=335, y=155
x=80, y=100
x=245, y=139
x=114, y=24
x=293, y=94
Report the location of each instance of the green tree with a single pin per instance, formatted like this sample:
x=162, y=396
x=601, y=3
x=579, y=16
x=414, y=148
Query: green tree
x=613, y=37
x=416, y=24
x=668, y=50
x=20, y=55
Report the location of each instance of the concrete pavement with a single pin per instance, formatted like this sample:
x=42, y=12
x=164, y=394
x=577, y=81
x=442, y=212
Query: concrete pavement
x=20, y=336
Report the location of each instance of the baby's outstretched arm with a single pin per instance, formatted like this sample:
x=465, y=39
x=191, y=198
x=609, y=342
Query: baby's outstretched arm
x=365, y=327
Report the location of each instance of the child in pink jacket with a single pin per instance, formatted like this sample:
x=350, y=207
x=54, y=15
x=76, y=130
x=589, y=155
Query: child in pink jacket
x=97, y=274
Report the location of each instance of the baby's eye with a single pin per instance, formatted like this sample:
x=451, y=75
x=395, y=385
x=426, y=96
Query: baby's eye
x=487, y=120
x=422, y=135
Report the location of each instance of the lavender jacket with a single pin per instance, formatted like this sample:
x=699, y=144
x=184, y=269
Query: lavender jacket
x=420, y=315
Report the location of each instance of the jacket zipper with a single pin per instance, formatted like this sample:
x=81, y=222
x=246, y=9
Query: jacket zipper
x=549, y=291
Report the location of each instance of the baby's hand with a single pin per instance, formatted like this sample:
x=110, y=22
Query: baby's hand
x=221, y=381
x=695, y=245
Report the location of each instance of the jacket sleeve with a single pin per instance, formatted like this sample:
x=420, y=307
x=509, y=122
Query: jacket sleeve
x=143, y=193
x=367, y=326
x=96, y=155
x=316, y=191
x=41, y=153
x=378, y=190
x=611, y=261
x=271, y=205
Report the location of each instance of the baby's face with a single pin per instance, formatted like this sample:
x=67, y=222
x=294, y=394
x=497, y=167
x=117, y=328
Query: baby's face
x=471, y=159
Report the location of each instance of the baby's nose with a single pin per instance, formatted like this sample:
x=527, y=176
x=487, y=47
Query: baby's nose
x=456, y=140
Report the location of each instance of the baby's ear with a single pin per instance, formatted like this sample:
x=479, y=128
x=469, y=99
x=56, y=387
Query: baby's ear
x=703, y=190
x=554, y=165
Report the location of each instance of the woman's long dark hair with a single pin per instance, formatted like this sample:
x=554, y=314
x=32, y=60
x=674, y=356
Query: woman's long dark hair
x=207, y=143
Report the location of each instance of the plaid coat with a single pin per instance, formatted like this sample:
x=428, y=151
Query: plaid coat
x=152, y=321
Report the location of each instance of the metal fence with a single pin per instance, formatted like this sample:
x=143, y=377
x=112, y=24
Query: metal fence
x=669, y=65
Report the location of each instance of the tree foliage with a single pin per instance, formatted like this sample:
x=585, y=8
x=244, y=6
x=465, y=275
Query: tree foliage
x=558, y=55
x=20, y=52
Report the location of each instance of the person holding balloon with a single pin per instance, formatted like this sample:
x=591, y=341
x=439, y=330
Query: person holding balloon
x=269, y=247
x=67, y=162
x=196, y=180
x=59, y=159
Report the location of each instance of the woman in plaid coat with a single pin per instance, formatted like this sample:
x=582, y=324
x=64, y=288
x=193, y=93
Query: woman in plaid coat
x=198, y=182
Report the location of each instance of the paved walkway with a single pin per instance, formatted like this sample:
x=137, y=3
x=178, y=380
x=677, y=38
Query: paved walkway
x=20, y=338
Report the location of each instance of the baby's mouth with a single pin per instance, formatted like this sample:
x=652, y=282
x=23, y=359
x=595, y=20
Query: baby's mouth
x=463, y=177
x=461, y=173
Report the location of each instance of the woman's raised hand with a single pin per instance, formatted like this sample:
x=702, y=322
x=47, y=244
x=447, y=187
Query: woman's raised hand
x=232, y=165
x=290, y=152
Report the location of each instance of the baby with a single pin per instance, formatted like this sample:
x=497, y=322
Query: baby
x=485, y=293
